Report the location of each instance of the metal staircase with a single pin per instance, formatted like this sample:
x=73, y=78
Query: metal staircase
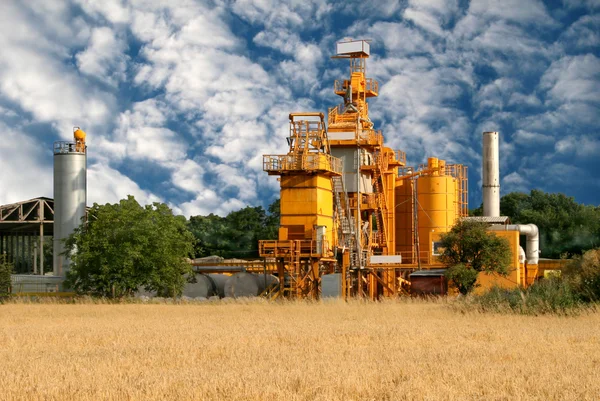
x=347, y=225
x=382, y=209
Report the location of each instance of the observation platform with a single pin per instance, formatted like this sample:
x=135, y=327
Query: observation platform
x=307, y=163
x=370, y=88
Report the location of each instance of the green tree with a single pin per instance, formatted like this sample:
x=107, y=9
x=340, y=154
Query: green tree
x=237, y=234
x=566, y=227
x=469, y=249
x=125, y=246
x=6, y=270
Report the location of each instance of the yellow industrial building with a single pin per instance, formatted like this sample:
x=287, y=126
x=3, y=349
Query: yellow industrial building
x=355, y=220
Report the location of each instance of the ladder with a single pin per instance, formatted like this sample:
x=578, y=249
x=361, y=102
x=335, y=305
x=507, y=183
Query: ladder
x=347, y=223
x=346, y=220
x=382, y=209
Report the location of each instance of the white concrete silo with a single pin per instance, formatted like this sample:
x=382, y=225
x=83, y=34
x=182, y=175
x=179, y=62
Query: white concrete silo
x=70, y=194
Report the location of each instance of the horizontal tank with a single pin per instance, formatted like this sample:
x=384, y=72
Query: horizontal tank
x=219, y=281
x=202, y=287
x=245, y=284
x=331, y=285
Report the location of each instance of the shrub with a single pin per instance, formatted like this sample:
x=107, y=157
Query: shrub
x=583, y=274
x=550, y=296
x=462, y=277
x=6, y=270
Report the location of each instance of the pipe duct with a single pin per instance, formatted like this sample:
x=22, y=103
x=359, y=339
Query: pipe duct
x=533, y=239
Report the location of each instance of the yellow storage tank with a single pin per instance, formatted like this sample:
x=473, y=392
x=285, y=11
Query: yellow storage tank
x=436, y=196
x=404, y=219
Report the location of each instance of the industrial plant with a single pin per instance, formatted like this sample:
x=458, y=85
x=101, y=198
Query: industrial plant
x=356, y=221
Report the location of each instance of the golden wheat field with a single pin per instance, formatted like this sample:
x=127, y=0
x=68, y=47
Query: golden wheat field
x=257, y=350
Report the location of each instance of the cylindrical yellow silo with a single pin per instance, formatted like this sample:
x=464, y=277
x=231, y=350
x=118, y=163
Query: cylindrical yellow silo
x=404, y=219
x=436, y=195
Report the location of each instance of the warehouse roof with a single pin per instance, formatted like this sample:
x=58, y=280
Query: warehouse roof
x=25, y=217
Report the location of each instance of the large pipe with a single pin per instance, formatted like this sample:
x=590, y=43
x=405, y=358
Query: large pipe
x=533, y=239
x=491, y=175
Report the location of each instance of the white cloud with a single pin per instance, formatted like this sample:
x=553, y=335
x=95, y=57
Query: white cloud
x=581, y=146
x=208, y=202
x=189, y=176
x=24, y=174
x=114, y=11
x=531, y=139
x=583, y=34
x=524, y=12
x=431, y=15
x=104, y=57
x=35, y=74
x=515, y=182
x=143, y=137
x=107, y=185
x=573, y=79
x=399, y=40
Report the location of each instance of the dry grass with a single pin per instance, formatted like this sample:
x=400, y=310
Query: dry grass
x=293, y=351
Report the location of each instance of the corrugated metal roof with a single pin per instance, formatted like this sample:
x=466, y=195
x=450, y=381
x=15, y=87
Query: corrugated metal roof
x=489, y=219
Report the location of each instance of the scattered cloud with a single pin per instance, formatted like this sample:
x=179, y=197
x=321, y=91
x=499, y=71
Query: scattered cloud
x=197, y=91
x=105, y=57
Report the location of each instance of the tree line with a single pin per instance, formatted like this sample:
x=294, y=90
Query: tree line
x=237, y=234
x=127, y=246
x=567, y=228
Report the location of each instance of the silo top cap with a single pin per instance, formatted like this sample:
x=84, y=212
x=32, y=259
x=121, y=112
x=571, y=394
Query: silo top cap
x=79, y=134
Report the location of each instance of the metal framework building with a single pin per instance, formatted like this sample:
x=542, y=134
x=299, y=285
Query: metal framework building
x=25, y=228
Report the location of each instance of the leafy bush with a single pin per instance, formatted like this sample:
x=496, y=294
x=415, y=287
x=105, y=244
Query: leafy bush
x=550, y=296
x=583, y=274
x=6, y=270
x=462, y=277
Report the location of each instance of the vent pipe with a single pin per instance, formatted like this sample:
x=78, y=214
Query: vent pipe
x=491, y=175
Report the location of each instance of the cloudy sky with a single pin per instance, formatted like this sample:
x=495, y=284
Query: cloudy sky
x=181, y=98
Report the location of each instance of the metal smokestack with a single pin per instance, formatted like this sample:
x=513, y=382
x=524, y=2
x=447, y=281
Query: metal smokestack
x=491, y=175
x=70, y=193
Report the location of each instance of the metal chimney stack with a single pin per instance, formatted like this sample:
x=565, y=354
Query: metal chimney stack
x=70, y=193
x=491, y=175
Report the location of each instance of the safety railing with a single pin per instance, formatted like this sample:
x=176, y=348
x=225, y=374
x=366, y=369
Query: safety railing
x=370, y=137
x=63, y=147
x=400, y=156
x=302, y=162
x=371, y=85
x=292, y=248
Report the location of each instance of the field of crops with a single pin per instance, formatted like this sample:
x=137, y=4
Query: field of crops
x=293, y=351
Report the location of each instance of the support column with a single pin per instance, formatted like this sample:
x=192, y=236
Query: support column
x=35, y=258
x=41, y=249
x=281, y=274
x=316, y=279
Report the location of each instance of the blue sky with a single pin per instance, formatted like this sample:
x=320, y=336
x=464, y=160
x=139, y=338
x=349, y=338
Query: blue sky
x=181, y=98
